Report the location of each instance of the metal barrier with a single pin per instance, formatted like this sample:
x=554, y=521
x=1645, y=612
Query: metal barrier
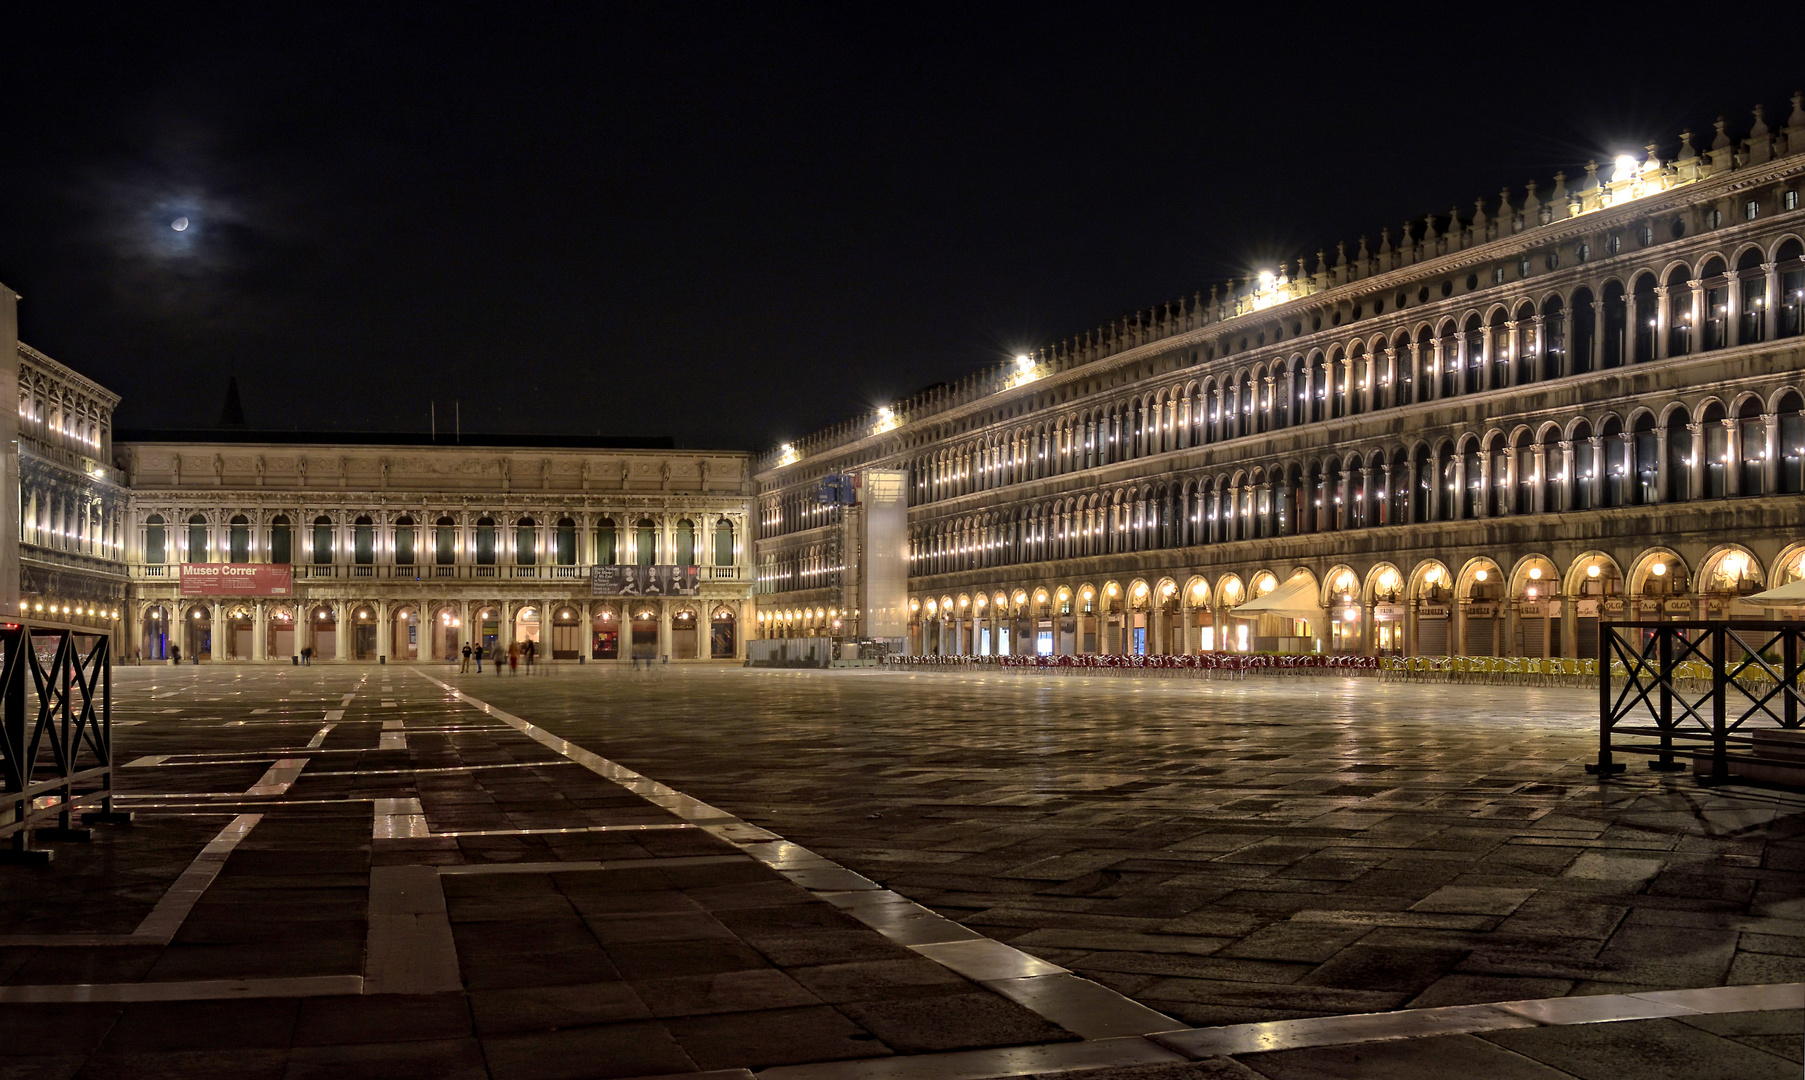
x=56, y=735
x=1719, y=694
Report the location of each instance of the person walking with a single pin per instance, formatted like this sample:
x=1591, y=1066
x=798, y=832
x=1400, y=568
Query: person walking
x=513, y=658
x=465, y=666
x=307, y=656
x=175, y=655
x=528, y=649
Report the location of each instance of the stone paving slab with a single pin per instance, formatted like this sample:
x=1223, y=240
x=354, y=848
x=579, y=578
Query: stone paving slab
x=1356, y=841
x=436, y=887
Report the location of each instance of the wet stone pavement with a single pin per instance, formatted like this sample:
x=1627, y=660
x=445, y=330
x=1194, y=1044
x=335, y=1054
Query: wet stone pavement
x=344, y=871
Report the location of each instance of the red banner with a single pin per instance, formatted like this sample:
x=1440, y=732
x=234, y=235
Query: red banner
x=238, y=579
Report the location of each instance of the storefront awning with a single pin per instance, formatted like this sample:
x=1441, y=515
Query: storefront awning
x=1295, y=599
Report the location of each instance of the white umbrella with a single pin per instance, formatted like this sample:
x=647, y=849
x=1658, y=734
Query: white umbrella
x=1295, y=599
x=1792, y=595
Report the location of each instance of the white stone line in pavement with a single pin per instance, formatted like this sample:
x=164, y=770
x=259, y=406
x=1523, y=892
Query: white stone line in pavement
x=983, y=1064
x=399, y=819
x=1499, y=1016
x=410, y=949
x=1318, y=1032
x=571, y=829
x=444, y=769
x=280, y=777
x=926, y=932
x=194, y=990
x=319, y=738
x=393, y=736
x=656, y=863
x=159, y=927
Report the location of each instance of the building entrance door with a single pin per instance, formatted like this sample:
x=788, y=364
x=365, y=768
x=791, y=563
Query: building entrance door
x=645, y=637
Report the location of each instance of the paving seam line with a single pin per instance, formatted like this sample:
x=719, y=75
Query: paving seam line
x=160, y=926
x=1087, y=1009
x=1314, y=1033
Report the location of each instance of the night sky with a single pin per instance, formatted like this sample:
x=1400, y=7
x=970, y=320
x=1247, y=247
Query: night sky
x=735, y=225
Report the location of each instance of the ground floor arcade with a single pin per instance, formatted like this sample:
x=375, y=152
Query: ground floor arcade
x=1524, y=604
x=403, y=629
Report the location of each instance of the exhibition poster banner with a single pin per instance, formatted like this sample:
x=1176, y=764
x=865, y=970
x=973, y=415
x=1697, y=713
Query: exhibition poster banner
x=238, y=579
x=645, y=580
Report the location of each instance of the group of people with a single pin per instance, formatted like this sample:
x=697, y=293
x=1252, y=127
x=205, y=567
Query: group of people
x=517, y=652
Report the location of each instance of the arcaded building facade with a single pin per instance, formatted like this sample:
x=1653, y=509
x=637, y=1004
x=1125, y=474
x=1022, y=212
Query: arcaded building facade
x=400, y=551
x=232, y=546
x=1477, y=433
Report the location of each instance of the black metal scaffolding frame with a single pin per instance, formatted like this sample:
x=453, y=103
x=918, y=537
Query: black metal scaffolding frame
x=56, y=735
x=1750, y=679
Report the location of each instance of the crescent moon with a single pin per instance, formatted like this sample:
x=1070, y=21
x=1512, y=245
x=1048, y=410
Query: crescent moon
x=179, y=224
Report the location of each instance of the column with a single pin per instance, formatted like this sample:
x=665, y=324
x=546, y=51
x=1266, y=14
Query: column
x=1436, y=494
x=1770, y=310
x=1733, y=454
x=217, y=646
x=1488, y=357
x=1457, y=492
x=1696, y=326
x=1567, y=477
x=1598, y=334
x=1187, y=644
x=1416, y=375
x=1770, y=450
x=1695, y=480
x=1513, y=348
x=260, y=630
x=1538, y=502
x=664, y=630
x=341, y=630
x=1507, y=496
x=384, y=646
x=1600, y=470
x=1660, y=465
x=1733, y=311
x=1663, y=322
x=1486, y=492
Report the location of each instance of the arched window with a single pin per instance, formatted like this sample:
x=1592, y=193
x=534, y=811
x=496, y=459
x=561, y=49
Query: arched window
x=1752, y=293
x=1716, y=286
x=445, y=542
x=1790, y=265
x=1616, y=325
x=686, y=543
x=363, y=541
x=1647, y=462
x=154, y=547
x=647, y=542
x=526, y=541
x=1751, y=448
x=322, y=540
x=404, y=541
x=197, y=538
x=1679, y=311
x=1645, y=313
x=1554, y=338
x=239, y=539
x=606, y=546
x=281, y=540
x=1717, y=452
x=1585, y=329
x=1579, y=485
x=723, y=543
x=567, y=542
x=485, y=541
x=1679, y=455
x=1792, y=445
x=1472, y=348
